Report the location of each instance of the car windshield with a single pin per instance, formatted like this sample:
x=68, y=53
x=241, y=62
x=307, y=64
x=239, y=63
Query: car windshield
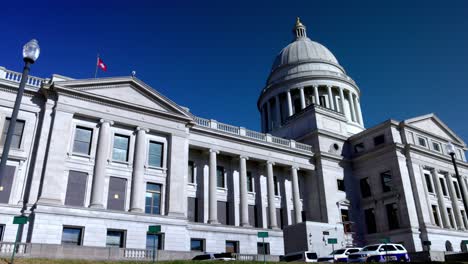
x=338, y=251
x=371, y=248
x=311, y=255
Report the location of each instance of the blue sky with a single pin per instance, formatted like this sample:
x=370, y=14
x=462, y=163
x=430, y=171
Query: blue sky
x=408, y=59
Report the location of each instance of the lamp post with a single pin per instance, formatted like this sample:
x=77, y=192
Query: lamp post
x=31, y=52
x=451, y=152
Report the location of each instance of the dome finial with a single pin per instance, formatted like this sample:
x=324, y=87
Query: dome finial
x=299, y=30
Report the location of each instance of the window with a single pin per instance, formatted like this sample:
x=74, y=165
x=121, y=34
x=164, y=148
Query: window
x=7, y=182
x=365, y=188
x=155, y=154
x=388, y=248
x=115, y=238
x=450, y=217
x=460, y=154
x=154, y=241
x=345, y=220
x=275, y=182
x=358, y=148
x=153, y=198
x=72, y=236
x=263, y=248
x=197, y=244
x=250, y=183
x=422, y=141
x=392, y=216
x=192, y=209
x=436, y=146
x=82, y=141
x=232, y=246
x=427, y=176
x=2, y=230
x=341, y=186
x=116, y=194
x=191, y=172
x=386, y=178
x=369, y=215
x=379, y=140
x=253, y=221
x=442, y=185
x=400, y=247
x=457, y=189
x=323, y=101
x=223, y=212
x=220, y=177
x=435, y=213
x=76, y=188
x=120, y=150
x=17, y=134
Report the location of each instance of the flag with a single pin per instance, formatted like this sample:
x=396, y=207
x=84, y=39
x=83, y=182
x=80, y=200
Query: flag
x=101, y=64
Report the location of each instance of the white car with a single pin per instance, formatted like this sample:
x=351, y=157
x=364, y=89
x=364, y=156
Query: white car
x=339, y=255
x=380, y=253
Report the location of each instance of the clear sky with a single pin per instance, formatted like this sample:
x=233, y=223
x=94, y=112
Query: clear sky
x=408, y=57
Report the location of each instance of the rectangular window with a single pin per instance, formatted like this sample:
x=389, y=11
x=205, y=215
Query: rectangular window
x=116, y=194
x=253, y=215
x=460, y=154
x=72, y=236
x=197, y=244
x=457, y=189
x=442, y=185
x=422, y=141
x=369, y=215
x=379, y=140
x=6, y=184
x=323, y=101
x=17, y=133
x=450, y=217
x=223, y=212
x=358, y=148
x=392, y=216
x=82, y=141
x=154, y=241
x=76, y=188
x=427, y=176
x=220, y=177
x=341, y=186
x=275, y=182
x=263, y=248
x=191, y=172
x=153, y=198
x=115, y=238
x=250, y=182
x=386, y=178
x=436, y=146
x=2, y=230
x=279, y=217
x=435, y=213
x=232, y=246
x=345, y=220
x=365, y=188
x=155, y=154
x=120, y=150
x=192, y=209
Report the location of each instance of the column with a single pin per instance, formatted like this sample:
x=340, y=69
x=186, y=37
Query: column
x=330, y=98
x=177, y=172
x=104, y=141
x=138, y=184
x=213, y=189
x=271, y=195
x=358, y=109
x=244, y=206
x=464, y=190
x=342, y=100
x=316, y=93
x=353, y=112
x=454, y=199
x=269, y=121
x=440, y=200
x=301, y=93
x=290, y=109
x=278, y=111
x=296, y=196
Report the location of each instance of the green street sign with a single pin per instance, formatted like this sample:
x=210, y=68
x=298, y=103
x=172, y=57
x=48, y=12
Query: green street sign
x=20, y=220
x=332, y=241
x=154, y=229
x=262, y=234
x=465, y=242
x=385, y=240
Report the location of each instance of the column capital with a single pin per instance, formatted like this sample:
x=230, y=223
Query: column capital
x=142, y=129
x=214, y=150
x=102, y=121
x=243, y=157
x=270, y=162
x=295, y=167
x=315, y=85
x=301, y=88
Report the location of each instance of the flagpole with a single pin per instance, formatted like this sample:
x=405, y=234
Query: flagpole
x=97, y=61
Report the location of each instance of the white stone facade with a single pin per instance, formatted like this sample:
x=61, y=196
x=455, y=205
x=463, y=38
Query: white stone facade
x=220, y=182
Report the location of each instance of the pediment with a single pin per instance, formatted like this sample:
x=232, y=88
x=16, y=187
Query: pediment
x=433, y=125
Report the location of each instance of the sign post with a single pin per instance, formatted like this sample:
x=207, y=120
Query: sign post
x=386, y=240
x=263, y=235
x=154, y=230
x=20, y=221
x=333, y=241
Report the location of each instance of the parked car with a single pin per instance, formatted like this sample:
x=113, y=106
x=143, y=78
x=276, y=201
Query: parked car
x=304, y=256
x=380, y=253
x=215, y=256
x=339, y=255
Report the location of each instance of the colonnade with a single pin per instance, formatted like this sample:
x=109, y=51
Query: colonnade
x=331, y=97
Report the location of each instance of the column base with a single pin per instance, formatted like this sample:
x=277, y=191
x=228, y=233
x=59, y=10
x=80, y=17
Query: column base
x=48, y=201
x=246, y=225
x=213, y=222
x=136, y=210
x=274, y=228
x=97, y=206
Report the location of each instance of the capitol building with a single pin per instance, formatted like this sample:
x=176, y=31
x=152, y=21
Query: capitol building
x=95, y=162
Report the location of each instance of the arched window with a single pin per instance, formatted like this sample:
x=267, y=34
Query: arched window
x=448, y=246
x=464, y=246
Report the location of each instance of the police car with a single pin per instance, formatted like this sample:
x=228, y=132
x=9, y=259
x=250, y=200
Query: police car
x=339, y=255
x=380, y=253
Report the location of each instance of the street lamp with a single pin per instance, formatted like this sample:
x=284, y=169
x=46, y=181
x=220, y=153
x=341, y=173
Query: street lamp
x=31, y=52
x=451, y=152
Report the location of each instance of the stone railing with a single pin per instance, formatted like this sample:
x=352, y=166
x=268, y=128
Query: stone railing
x=137, y=254
x=241, y=131
x=6, y=248
x=16, y=77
